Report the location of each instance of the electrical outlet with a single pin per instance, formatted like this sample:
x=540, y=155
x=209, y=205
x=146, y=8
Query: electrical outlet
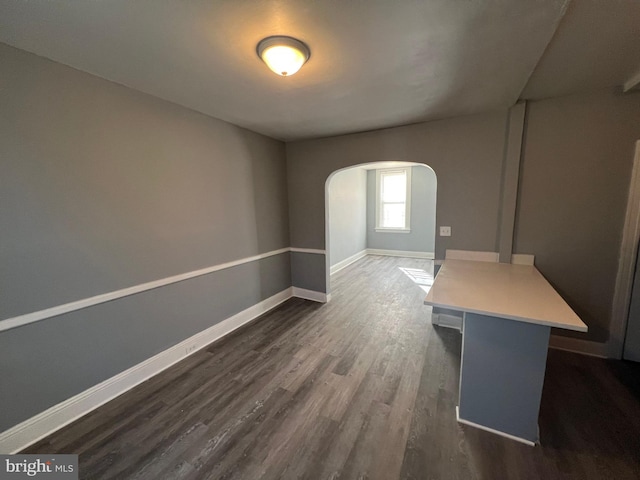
x=445, y=231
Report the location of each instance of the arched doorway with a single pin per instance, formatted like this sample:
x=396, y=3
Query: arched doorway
x=359, y=220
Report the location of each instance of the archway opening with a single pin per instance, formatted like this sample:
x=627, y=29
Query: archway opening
x=380, y=208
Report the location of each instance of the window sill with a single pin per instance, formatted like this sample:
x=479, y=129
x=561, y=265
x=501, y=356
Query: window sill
x=393, y=230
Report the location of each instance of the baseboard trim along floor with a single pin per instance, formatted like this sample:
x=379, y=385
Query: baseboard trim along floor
x=578, y=345
x=347, y=261
x=320, y=297
x=400, y=253
x=39, y=426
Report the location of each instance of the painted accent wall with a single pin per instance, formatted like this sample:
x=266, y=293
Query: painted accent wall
x=103, y=188
x=421, y=238
x=347, y=198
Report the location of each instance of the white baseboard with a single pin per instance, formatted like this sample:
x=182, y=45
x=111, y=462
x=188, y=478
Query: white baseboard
x=400, y=253
x=376, y=251
x=348, y=261
x=491, y=430
x=578, y=345
x=447, y=321
x=310, y=295
x=56, y=417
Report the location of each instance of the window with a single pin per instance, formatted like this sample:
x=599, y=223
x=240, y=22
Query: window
x=393, y=194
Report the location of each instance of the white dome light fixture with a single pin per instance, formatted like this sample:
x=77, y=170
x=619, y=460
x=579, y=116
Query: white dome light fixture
x=283, y=55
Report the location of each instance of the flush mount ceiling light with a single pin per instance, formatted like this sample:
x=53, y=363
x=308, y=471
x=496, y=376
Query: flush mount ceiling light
x=283, y=55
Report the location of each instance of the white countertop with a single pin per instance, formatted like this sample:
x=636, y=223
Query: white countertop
x=516, y=292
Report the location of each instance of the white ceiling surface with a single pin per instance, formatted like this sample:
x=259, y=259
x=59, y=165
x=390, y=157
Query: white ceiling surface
x=373, y=64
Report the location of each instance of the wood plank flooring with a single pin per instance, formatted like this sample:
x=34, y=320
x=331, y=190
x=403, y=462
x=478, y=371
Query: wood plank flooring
x=360, y=388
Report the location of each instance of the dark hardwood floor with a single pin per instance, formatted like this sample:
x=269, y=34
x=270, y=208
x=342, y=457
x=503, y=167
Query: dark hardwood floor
x=362, y=387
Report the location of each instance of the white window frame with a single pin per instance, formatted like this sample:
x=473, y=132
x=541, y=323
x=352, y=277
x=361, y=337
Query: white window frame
x=407, y=217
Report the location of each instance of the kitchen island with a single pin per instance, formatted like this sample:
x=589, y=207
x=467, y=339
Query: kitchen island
x=508, y=311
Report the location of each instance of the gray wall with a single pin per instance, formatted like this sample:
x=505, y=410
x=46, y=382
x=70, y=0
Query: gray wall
x=574, y=176
x=421, y=238
x=347, y=197
x=466, y=154
x=103, y=188
x=577, y=157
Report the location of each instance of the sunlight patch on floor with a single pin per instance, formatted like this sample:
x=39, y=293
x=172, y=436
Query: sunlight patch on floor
x=420, y=277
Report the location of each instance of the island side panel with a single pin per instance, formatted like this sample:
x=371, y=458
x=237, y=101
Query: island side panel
x=502, y=374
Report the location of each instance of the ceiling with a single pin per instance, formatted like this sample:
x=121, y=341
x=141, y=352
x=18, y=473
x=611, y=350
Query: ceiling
x=597, y=45
x=374, y=64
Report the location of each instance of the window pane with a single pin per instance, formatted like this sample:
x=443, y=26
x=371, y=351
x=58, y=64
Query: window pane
x=394, y=187
x=393, y=215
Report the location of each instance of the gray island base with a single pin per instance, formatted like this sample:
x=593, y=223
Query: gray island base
x=508, y=311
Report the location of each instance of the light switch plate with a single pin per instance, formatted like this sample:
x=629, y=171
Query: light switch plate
x=445, y=231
